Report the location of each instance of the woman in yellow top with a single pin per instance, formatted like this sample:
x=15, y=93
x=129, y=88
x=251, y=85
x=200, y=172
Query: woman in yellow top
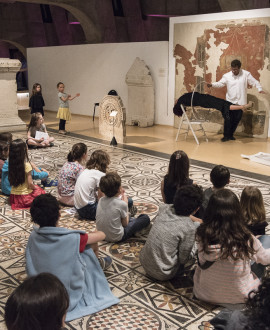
x=63, y=112
x=23, y=191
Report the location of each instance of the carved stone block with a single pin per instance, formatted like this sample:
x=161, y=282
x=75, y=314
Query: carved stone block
x=140, y=95
x=9, y=119
x=112, y=126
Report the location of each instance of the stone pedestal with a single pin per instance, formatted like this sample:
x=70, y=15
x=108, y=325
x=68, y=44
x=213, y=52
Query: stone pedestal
x=112, y=126
x=140, y=95
x=9, y=119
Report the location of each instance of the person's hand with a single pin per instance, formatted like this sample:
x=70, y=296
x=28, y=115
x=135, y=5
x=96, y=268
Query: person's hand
x=41, y=140
x=262, y=92
x=78, y=94
x=69, y=95
x=124, y=198
x=195, y=219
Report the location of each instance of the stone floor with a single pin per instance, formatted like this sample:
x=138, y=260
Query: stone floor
x=145, y=303
x=161, y=138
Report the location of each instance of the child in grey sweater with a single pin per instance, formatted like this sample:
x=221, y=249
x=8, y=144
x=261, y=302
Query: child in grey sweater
x=112, y=211
x=171, y=241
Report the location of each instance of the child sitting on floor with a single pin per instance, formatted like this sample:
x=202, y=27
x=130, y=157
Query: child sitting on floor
x=230, y=259
x=177, y=176
x=37, y=173
x=3, y=156
x=71, y=255
x=23, y=191
x=220, y=177
x=87, y=192
x=70, y=172
x=40, y=302
x=253, y=209
x=112, y=211
x=170, y=245
x=37, y=125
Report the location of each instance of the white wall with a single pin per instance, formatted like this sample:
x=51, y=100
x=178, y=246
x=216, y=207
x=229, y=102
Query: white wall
x=265, y=12
x=93, y=70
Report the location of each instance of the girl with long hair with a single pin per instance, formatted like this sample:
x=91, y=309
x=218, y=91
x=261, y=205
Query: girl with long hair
x=23, y=191
x=70, y=172
x=177, y=176
x=36, y=101
x=87, y=192
x=37, y=124
x=253, y=210
x=226, y=251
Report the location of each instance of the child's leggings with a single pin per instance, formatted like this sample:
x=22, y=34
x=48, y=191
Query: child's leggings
x=62, y=125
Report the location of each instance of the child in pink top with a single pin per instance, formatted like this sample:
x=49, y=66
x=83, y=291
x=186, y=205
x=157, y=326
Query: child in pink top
x=226, y=251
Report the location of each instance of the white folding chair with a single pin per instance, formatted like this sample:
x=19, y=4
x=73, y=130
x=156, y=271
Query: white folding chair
x=193, y=120
x=189, y=123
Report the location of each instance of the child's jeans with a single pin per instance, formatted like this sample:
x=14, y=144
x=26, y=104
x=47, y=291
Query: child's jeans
x=135, y=225
x=258, y=269
x=88, y=211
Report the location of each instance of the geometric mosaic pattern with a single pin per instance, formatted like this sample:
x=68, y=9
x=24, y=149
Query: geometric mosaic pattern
x=144, y=303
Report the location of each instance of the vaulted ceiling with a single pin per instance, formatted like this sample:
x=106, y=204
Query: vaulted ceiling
x=37, y=23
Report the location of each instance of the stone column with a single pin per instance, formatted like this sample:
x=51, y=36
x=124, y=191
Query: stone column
x=9, y=119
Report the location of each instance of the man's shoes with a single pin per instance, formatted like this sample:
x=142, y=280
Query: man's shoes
x=232, y=138
x=105, y=262
x=225, y=139
x=62, y=132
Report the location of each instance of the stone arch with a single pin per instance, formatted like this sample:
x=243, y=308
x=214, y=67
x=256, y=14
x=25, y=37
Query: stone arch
x=21, y=48
x=84, y=13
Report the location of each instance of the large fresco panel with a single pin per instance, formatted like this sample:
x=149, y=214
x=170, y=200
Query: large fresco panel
x=205, y=51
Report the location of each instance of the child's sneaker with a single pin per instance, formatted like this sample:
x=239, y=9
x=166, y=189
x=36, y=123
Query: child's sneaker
x=133, y=211
x=49, y=183
x=105, y=262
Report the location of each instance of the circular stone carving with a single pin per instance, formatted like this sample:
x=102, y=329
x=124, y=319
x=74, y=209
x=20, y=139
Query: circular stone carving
x=123, y=316
x=108, y=104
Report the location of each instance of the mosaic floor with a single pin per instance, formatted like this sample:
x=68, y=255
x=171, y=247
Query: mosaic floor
x=145, y=303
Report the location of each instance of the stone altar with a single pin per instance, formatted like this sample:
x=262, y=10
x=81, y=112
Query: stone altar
x=9, y=119
x=112, y=126
x=140, y=95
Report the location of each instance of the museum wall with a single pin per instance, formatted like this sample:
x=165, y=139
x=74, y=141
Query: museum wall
x=94, y=69
x=201, y=49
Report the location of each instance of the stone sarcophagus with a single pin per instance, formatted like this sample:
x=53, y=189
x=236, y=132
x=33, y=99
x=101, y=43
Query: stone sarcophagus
x=140, y=95
x=112, y=126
